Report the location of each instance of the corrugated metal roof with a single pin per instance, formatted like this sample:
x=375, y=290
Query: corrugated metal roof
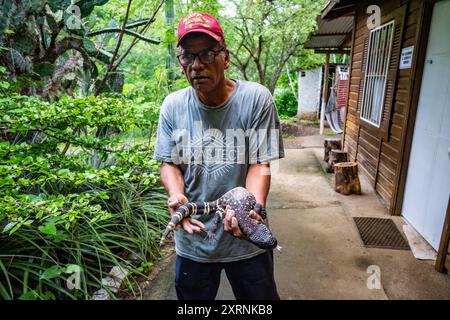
x=331, y=42
x=331, y=34
x=338, y=25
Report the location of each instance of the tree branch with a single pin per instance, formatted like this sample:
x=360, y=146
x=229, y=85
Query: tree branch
x=55, y=80
x=62, y=46
x=258, y=60
x=242, y=67
x=282, y=62
x=129, y=32
x=116, y=51
x=133, y=43
x=139, y=23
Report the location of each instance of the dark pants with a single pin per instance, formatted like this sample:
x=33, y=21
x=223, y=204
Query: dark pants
x=251, y=279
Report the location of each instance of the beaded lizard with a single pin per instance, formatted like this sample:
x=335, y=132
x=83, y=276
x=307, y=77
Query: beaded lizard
x=238, y=199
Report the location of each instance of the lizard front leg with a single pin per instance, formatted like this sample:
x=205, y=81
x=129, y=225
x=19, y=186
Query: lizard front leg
x=211, y=233
x=259, y=209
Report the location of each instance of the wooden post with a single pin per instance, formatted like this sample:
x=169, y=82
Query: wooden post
x=324, y=91
x=346, y=178
x=444, y=244
x=330, y=144
x=336, y=156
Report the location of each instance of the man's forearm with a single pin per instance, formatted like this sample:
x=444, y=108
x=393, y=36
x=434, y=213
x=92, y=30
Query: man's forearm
x=172, y=178
x=258, y=181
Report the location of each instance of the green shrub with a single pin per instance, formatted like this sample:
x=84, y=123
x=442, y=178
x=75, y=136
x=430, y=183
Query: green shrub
x=286, y=103
x=75, y=196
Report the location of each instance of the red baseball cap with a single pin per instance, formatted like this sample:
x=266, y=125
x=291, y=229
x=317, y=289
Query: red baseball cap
x=200, y=22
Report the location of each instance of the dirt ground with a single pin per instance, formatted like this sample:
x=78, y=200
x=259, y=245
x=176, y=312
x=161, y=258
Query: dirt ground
x=294, y=131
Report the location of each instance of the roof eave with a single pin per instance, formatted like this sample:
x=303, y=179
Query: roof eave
x=338, y=8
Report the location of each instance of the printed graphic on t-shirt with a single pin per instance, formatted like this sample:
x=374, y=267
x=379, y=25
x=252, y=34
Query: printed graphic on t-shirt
x=213, y=153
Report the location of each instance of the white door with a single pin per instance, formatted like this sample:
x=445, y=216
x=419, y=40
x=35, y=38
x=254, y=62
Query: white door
x=428, y=180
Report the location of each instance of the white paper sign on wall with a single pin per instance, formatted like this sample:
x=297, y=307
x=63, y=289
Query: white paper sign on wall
x=406, y=57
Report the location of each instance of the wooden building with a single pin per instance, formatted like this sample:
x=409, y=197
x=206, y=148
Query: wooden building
x=398, y=112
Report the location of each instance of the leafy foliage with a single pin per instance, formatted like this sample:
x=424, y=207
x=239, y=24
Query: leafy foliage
x=308, y=60
x=71, y=198
x=286, y=103
x=45, y=40
x=263, y=35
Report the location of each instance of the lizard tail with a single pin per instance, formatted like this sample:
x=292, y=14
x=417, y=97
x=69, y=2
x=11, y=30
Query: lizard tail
x=187, y=210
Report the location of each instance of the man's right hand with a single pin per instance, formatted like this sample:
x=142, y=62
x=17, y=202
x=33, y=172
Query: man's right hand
x=189, y=225
x=176, y=200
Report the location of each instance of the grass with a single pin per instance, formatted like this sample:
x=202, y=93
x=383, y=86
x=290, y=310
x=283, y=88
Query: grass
x=35, y=266
x=288, y=118
x=310, y=122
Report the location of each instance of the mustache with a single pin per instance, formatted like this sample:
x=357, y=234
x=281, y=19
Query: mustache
x=199, y=76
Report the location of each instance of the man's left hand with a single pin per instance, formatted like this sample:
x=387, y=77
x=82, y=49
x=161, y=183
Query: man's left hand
x=230, y=223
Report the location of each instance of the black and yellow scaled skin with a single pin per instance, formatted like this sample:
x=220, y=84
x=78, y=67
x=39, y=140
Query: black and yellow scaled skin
x=241, y=201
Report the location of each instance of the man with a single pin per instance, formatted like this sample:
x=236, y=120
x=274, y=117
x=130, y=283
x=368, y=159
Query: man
x=213, y=136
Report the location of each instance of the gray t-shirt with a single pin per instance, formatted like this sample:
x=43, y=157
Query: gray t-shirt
x=213, y=147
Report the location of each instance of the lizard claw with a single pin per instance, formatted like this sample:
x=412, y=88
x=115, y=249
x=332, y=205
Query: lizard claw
x=210, y=236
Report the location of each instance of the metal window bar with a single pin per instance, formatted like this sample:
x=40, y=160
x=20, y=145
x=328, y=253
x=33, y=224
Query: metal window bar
x=377, y=66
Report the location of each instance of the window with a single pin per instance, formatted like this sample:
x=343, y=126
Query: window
x=377, y=65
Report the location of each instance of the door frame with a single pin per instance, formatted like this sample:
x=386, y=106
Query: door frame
x=420, y=50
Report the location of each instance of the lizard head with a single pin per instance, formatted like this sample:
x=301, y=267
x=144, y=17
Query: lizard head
x=262, y=237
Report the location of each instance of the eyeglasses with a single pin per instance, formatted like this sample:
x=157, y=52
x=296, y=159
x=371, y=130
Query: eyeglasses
x=206, y=57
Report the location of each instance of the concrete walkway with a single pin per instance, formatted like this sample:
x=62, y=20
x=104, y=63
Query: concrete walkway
x=323, y=256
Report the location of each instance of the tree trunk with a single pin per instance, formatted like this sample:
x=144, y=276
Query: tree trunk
x=346, y=178
x=54, y=82
x=330, y=144
x=336, y=156
x=171, y=57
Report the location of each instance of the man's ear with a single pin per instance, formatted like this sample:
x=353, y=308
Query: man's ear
x=227, y=59
x=182, y=70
